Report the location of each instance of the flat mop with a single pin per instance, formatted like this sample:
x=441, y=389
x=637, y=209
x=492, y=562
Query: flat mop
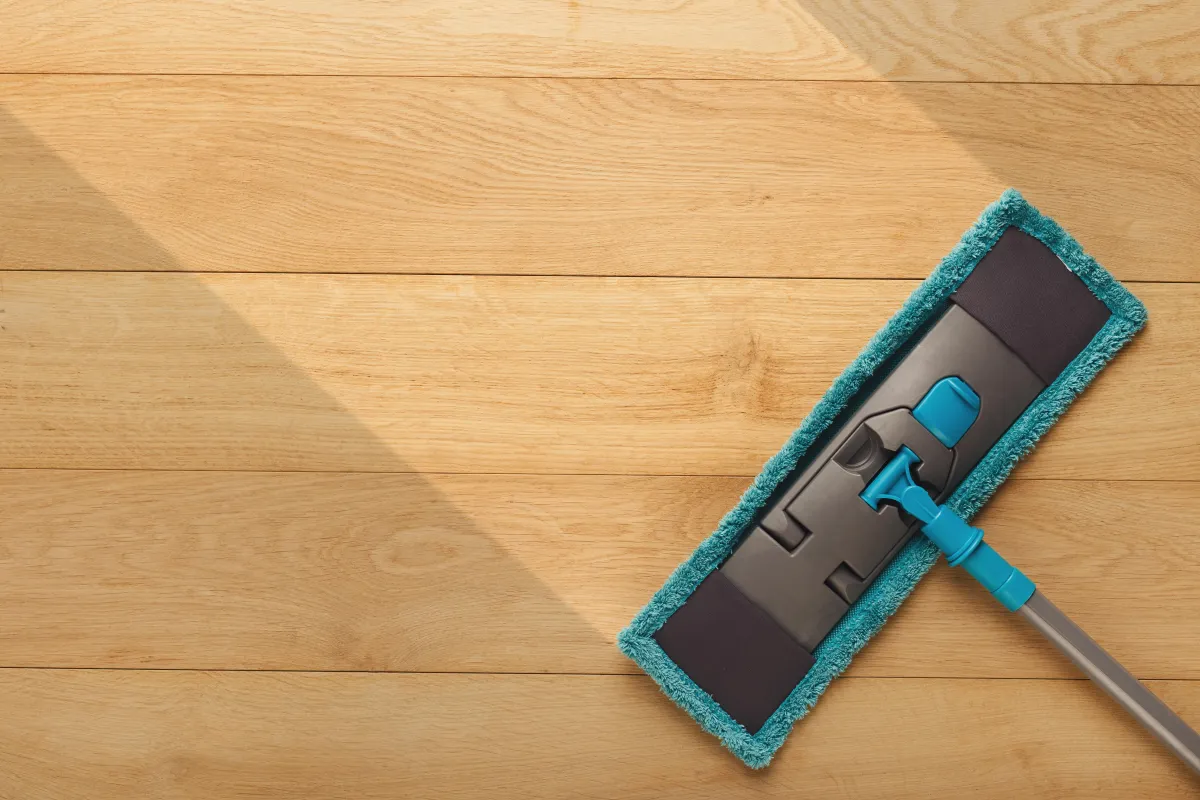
x=909, y=442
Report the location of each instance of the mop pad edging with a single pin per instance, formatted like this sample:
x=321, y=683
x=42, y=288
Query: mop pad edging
x=883, y=597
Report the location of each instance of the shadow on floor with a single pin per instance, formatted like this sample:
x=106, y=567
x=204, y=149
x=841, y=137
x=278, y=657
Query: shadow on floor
x=207, y=541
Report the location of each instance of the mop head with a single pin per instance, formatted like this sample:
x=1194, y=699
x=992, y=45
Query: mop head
x=881, y=599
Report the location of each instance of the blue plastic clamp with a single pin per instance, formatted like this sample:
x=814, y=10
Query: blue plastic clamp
x=962, y=544
x=948, y=409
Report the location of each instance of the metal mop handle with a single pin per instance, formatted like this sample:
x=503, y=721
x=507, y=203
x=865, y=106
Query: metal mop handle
x=964, y=546
x=1114, y=679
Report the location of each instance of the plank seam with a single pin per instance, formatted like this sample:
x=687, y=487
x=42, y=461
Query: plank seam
x=549, y=77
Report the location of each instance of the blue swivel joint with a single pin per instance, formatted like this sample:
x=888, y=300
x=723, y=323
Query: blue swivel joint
x=962, y=544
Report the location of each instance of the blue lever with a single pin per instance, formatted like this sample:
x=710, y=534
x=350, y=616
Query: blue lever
x=962, y=544
x=948, y=410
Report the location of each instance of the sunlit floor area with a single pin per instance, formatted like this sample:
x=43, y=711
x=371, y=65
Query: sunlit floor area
x=365, y=366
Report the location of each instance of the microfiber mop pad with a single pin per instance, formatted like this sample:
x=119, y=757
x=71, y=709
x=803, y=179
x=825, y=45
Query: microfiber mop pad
x=879, y=600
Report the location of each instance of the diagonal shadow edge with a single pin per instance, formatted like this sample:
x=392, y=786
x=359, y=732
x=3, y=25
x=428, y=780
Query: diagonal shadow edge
x=324, y=568
x=1129, y=128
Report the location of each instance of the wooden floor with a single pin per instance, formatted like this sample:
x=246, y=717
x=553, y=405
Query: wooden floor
x=364, y=367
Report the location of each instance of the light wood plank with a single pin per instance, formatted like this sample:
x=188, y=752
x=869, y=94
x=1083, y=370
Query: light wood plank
x=520, y=573
x=135, y=734
x=1031, y=40
x=580, y=177
x=460, y=374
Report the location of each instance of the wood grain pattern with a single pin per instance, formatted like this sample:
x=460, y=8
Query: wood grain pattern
x=401, y=508
x=1031, y=40
x=580, y=177
x=475, y=375
x=127, y=735
x=534, y=574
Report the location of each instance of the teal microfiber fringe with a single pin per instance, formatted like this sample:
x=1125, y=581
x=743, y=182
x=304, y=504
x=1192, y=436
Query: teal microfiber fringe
x=894, y=584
